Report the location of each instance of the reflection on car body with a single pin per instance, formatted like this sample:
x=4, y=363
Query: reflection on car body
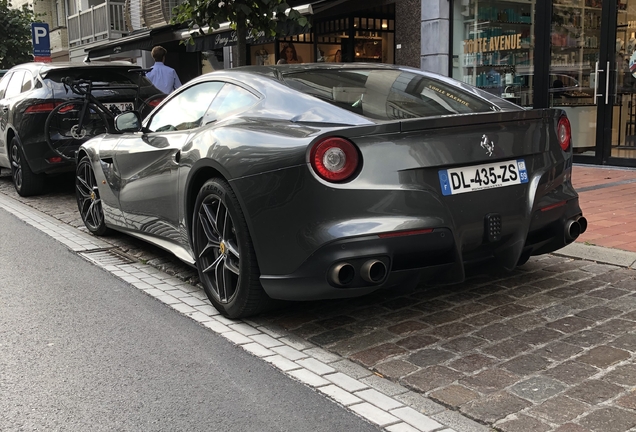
x=314, y=181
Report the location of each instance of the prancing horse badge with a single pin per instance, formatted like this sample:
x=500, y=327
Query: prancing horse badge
x=487, y=145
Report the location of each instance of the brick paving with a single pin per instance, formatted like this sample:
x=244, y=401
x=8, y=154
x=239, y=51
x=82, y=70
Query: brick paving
x=608, y=200
x=548, y=347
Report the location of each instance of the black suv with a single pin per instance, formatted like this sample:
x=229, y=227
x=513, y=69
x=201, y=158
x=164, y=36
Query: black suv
x=29, y=92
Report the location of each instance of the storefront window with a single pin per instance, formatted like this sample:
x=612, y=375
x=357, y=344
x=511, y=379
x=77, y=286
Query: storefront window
x=373, y=47
x=263, y=55
x=493, y=47
x=575, y=47
x=331, y=39
x=297, y=49
x=373, y=41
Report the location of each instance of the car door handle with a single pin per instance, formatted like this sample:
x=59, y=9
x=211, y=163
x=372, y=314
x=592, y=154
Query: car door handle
x=5, y=109
x=177, y=157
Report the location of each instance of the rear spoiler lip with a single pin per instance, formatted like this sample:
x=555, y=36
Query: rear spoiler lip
x=476, y=119
x=438, y=122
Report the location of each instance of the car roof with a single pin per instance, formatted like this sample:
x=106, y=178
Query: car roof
x=251, y=74
x=275, y=72
x=45, y=67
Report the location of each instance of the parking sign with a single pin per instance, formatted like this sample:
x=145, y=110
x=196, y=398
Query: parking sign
x=41, y=41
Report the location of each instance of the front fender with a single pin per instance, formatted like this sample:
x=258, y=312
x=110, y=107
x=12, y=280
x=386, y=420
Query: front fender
x=100, y=153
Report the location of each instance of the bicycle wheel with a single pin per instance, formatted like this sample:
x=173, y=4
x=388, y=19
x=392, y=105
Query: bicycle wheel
x=149, y=104
x=61, y=128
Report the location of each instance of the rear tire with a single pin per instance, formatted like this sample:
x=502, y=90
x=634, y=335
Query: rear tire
x=224, y=253
x=62, y=134
x=25, y=181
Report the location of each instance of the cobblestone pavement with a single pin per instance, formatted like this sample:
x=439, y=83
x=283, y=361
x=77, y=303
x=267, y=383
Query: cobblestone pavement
x=548, y=347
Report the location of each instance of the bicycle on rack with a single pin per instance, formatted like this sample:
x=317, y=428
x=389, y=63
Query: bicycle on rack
x=72, y=123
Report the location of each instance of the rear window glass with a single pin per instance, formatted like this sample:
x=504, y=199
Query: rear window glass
x=386, y=94
x=100, y=76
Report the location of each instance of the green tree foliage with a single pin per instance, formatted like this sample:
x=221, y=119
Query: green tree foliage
x=15, y=28
x=245, y=16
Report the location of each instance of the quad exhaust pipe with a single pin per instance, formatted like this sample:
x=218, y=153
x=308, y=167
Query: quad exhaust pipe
x=342, y=274
x=372, y=271
x=574, y=228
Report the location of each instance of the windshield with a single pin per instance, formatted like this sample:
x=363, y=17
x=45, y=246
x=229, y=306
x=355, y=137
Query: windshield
x=386, y=94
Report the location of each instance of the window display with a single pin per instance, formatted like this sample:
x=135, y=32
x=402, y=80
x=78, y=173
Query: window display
x=575, y=40
x=296, y=49
x=373, y=40
x=263, y=55
x=493, y=43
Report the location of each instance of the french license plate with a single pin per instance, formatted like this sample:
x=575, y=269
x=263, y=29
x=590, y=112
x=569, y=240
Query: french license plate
x=119, y=107
x=479, y=177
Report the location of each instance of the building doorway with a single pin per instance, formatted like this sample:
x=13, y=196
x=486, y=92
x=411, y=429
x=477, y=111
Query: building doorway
x=593, y=49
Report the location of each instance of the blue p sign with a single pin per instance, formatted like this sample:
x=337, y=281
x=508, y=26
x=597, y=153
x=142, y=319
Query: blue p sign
x=41, y=42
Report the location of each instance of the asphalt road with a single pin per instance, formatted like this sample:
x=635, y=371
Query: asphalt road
x=81, y=350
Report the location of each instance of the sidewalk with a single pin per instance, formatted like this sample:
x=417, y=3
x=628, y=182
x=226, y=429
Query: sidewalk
x=608, y=199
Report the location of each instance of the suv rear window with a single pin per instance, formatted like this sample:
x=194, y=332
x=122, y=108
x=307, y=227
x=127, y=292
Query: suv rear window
x=386, y=94
x=100, y=76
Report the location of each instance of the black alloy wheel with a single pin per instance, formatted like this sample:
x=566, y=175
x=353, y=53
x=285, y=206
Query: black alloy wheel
x=88, y=200
x=25, y=181
x=224, y=253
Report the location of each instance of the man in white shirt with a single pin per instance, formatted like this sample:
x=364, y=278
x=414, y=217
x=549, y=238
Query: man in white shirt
x=163, y=77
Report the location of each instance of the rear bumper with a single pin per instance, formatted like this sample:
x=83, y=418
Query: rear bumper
x=36, y=151
x=38, y=156
x=434, y=256
x=404, y=258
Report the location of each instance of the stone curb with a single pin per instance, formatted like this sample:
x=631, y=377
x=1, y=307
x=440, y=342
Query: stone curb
x=599, y=254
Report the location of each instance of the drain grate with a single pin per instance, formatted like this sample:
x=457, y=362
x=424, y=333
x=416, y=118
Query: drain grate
x=107, y=257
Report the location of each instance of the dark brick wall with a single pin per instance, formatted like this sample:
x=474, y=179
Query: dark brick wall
x=408, y=15
x=407, y=32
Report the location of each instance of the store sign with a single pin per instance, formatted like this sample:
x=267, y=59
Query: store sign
x=229, y=38
x=495, y=43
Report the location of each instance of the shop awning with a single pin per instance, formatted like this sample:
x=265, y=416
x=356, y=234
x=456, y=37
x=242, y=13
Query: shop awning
x=140, y=40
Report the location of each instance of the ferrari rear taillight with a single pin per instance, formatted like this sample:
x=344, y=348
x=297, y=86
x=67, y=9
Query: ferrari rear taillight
x=564, y=133
x=41, y=108
x=334, y=159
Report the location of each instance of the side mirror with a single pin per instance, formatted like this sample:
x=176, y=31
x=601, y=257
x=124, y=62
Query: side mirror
x=130, y=121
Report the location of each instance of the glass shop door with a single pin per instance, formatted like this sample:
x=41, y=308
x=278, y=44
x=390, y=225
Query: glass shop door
x=619, y=144
x=593, y=77
x=579, y=82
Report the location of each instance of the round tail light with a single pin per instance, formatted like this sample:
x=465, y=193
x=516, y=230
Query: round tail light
x=564, y=133
x=334, y=159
